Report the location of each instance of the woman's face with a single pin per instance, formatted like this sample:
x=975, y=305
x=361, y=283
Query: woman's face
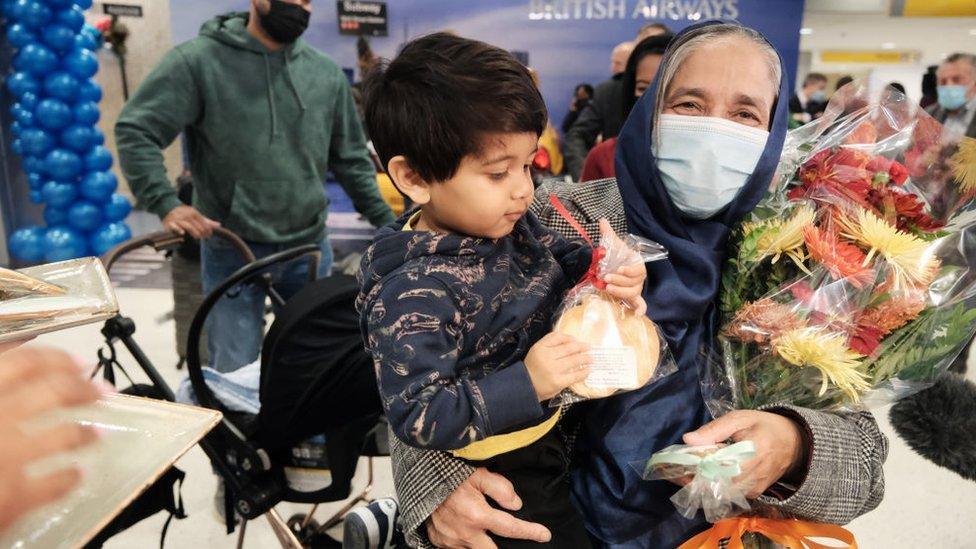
x=728, y=79
x=646, y=69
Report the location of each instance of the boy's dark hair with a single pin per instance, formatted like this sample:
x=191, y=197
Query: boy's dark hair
x=434, y=103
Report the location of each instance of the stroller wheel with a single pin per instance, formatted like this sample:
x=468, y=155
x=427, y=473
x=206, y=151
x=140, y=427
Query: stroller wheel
x=302, y=530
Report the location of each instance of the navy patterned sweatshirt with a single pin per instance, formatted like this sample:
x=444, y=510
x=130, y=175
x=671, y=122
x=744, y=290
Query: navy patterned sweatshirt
x=449, y=319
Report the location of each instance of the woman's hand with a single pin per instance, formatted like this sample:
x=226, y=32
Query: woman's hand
x=627, y=282
x=779, y=446
x=465, y=517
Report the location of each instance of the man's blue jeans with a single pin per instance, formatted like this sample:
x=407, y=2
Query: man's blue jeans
x=235, y=326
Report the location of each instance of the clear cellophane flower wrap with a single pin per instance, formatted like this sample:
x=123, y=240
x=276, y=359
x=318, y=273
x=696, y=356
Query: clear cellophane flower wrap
x=852, y=284
x=54, y=296
x=627, y=349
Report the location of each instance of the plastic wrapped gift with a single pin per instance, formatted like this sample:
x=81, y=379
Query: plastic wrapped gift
x=55, y=296
x=141, y=439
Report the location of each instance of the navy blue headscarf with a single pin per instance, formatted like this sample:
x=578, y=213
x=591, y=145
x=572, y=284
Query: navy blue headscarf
x=621, y=509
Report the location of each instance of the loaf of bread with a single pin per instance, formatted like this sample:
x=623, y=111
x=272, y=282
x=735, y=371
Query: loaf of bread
x=605, y=324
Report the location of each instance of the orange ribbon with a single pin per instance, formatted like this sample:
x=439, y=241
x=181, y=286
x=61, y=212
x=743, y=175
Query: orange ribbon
x=790, y=533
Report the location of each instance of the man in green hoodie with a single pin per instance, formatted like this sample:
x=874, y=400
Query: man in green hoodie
x=265, y=117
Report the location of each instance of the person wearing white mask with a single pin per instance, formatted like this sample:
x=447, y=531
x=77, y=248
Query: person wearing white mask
x=810, y=101
x=696, y=155
x=956, y=106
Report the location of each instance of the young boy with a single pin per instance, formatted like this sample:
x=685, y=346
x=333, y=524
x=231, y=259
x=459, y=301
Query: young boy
x=458, y=297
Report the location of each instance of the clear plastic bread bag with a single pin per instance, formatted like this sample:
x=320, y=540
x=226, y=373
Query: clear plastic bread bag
x=628, y=351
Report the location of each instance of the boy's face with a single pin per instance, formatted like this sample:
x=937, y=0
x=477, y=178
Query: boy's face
x=489, y=193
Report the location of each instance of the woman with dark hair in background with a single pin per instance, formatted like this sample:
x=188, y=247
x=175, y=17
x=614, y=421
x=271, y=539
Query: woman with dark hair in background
x=582, y=96
x=641, y=68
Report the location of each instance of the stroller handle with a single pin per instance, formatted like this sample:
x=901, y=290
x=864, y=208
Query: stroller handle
x=169, y=240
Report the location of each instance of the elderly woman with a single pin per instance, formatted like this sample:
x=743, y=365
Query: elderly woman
x=696, y=154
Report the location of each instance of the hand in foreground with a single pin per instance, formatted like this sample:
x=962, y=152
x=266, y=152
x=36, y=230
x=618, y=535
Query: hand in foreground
x=555, y=362
x=186, y=219
x=627, y=282
x=465, y=517
x=33, y=382
x=779, y=446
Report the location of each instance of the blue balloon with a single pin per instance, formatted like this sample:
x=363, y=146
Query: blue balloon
x=58, y=194
x=29, y=101
x=37, y=141
x=81, y=63
x=87, y=41
x=58, y=4
x=98, y=136
x=35, y=197
x=35, y=181
x=98, y=160
x=58, y=37
x=108, y=236
x=62, y=85
x=63, y=164
x=87, y=113
x=78, y=138
x=16, y=128
x=53, y=114
x=98, y=186
x=25, y=117
x=20, y=83
x=17, y=146
x=19, y=35
x=39, y=60
x=36, y=14
x=89, y=90
x=19, y=8
x=7, y=7
x=27, y=244
x=73, y=18
x=32, y=165
x=117, y=208
x=63, y=243
x=55, y=216
x=84, y=216
x=83, y=4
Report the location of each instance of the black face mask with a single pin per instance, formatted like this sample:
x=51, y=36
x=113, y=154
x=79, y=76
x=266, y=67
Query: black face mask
x=285, y=21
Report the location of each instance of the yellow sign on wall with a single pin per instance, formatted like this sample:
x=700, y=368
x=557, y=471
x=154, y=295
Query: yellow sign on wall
x=876, y=57
x=939, y=8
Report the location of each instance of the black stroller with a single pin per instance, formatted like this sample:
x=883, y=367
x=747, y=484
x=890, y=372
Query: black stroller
x=316, y=378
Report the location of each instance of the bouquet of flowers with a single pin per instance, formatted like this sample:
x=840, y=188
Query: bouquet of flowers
x=852, y=284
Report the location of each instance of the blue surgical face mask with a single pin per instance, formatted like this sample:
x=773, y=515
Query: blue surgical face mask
x=952, y=97
x=705, y=162
x=818, y=96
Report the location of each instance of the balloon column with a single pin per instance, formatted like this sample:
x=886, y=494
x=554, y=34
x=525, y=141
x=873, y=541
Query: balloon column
x=55, y=108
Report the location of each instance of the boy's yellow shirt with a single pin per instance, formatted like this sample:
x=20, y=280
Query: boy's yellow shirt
x=497, y=445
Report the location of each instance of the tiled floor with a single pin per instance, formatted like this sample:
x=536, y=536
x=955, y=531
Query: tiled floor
x=925, y=507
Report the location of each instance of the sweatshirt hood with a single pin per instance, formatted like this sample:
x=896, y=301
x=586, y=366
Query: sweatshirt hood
x=231, y=29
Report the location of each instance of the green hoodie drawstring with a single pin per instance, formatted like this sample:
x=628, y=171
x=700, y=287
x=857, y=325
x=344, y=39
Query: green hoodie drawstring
x=301, y=104
x=271, y=105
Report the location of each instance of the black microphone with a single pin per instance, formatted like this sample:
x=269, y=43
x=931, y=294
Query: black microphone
x=939, y=423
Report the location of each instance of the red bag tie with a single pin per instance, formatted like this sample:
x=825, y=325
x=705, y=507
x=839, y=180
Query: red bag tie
x=592, y=275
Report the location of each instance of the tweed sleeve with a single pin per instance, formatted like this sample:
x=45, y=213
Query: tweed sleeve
x=845, y=477
x=423, y=480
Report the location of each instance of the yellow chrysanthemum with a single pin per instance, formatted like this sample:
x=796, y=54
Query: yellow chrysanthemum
x=827, y=352
x=964, y=164
x=784, y=237
x=907, y=254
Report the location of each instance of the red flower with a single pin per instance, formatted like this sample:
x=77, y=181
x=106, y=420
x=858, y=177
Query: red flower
x=831, y=174
x=879, y=164
x=865, y=340
x=898, y=173
x=903, y=209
